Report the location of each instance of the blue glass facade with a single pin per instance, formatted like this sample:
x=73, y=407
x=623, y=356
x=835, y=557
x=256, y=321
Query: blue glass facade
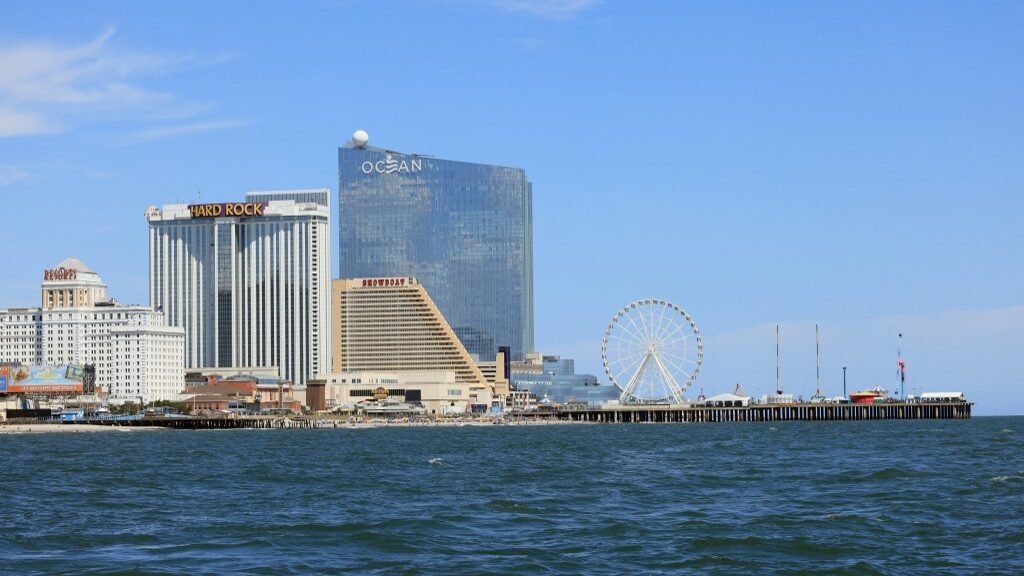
x=558, y=381
x=465, y=231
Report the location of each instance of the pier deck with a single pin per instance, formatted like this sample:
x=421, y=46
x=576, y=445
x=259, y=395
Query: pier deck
x=623, y=414
x=771, y=413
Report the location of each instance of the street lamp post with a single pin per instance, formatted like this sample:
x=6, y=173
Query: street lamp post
x=844, y=382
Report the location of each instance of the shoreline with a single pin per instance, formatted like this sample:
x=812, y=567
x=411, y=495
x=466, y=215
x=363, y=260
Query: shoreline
x=328, y=425
x=59, y=427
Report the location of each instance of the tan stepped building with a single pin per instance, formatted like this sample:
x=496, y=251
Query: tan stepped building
x=391, y=324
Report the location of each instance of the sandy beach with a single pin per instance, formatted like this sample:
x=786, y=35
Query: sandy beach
x=401, y=423
x=56, y=427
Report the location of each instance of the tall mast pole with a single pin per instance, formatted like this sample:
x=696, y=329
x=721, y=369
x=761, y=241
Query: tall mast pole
x=817, y=360
x=900, y=372
x=778, y=380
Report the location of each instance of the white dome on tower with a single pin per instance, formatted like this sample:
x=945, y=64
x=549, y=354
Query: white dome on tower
x=360, y=138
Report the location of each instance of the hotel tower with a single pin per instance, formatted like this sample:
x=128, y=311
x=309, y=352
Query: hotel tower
x=463, y=230
x=136, y=356
x=250, y=281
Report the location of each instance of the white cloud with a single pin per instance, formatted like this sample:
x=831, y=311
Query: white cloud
x=11, y=174
x=23, y=123
x=551, y=9
x=46, y=87
x=162, y=132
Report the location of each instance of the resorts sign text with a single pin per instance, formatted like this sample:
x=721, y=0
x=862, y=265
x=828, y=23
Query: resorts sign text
x=390, y=166
x=228, y=210
x=60, y=274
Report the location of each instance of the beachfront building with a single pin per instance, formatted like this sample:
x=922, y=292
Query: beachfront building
x=497, y=372
x=391, y=324
x=248, y=281
x=555, y=378
x=437, y=391
x=249, y=392
x=463, y=230
x=136, y=355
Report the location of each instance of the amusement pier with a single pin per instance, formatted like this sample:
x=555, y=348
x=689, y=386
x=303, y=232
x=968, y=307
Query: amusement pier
x=953, y=409
x=780, y=413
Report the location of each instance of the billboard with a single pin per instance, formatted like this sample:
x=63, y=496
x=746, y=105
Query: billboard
x=44, y=379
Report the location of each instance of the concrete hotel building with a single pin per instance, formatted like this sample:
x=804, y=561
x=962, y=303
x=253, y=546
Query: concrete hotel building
x=136, y=355
x=249, y=282
x=392, y=325
x=464, y=230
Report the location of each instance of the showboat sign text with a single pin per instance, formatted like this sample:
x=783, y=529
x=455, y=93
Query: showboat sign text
x=375, y=282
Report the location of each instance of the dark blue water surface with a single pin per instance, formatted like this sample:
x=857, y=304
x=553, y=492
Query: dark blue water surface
x=942, y=497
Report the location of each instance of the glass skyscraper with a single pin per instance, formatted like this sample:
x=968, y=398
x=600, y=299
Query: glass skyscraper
x=464, y=230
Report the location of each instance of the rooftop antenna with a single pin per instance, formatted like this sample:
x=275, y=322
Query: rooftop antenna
x=778, y=380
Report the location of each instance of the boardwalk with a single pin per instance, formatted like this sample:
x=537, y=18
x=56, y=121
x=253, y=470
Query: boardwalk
x=210, y=423
x=616, y=415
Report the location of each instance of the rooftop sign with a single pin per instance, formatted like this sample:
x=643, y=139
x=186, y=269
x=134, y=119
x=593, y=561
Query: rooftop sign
x=227, y=210
x=390, y=166
x=374, y=282
x=60, y=274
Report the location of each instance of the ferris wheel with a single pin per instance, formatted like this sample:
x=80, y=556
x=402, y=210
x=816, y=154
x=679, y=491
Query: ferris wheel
x=652, y=351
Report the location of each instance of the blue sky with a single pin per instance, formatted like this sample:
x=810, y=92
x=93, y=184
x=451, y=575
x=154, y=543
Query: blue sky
x=858, y=165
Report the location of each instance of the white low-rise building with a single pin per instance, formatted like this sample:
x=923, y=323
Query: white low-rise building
x=727, y=400
x=148, y=362
x=777, y=398
x=942, y=397
x=438, y=391
x=136, y=355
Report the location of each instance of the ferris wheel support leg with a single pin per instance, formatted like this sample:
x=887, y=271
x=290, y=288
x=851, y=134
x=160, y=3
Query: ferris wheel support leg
x=630, y=389
x=677, y=393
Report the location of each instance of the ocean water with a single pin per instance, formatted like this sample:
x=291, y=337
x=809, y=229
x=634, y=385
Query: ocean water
x=922, y=497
